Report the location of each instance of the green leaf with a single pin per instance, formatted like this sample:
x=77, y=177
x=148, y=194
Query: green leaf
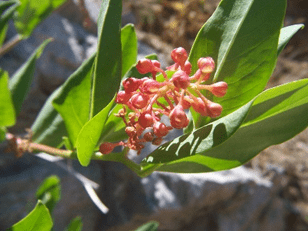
x=31, y=13
x=49, y=192
x=129, y=47
x=107, y=73
x=242, y=37
x=286, y=34
x=199, y=140
x=150, y=226
x=48, y=127
x=38, y=219
x=2, y=133
x=7, y=117
x=73, y=99
x=7, y=9
x=75, y=225
x=277, y=115
x=90, y=134
x=21, y=81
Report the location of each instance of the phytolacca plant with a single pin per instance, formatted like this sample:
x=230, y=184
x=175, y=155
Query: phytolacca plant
x=224, y=128
x=142, y=98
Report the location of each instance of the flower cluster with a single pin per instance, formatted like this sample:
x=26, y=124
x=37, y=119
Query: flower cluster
x=146, y=100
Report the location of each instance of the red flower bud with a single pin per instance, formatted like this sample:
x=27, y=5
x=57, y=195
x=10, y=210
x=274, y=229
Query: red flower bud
x=187, y=67
x=179, y=55
x=139, y=100
x=214, y=109
x=150, y=86
x=160, y=129
x=145, y=66
x=185, y=103
x=178, y=118
x=219, y=89
x=180, y=79
x=145, y=120
x=200, y=107
x=107, y=147
x=122, y=97
x=148, y=136
x=206, y=65
x=131, y=84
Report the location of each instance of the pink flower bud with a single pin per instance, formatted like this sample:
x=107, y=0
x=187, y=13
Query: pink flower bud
x=122, y=97
x=150, y=86
x=160, y=129
x=219, y=89
x=187, y=67
x=180, y=79
x=145, y=66
x=131, y=84
x=139, y=100
x=145, y=120
x=185, y=103
x=148, y=136
x=178, y=118
x=214, y=109
x=200, y=107
x=206, y=65
x=179, y=55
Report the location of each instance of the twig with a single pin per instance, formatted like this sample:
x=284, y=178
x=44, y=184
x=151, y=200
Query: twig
x=10, y=44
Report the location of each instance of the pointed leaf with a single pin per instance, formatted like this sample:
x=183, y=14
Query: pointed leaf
x=129, y=47
x=199, y=140
x=49, y=192
x=286, y=34
x=75, y=225
x=90, y=134
x=107, y=73
x=150, y=226
x=31, y=12
x=48, y=127
x=242, y=37
x=7, y=117
x=38, y=219
x=73, y=99
x=21, y=81
x=7, y=9
x=277, y=115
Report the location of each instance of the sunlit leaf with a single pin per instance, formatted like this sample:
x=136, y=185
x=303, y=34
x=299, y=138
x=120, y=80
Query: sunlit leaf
x=7, y=117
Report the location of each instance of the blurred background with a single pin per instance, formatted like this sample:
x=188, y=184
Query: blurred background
x=268, y=193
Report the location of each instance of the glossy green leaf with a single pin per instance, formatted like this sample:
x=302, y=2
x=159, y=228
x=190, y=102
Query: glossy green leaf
x=31, y=12
x=150, y=226
x=242, y=37
x=200, y=140
x=108, y=65
x=21, y=81
x=7, y=9
x=75, y=225
x=49, y=192
x=90, y=134
x=7, y=117
x=73, y=99
x=38, y=219
x=276, y=115
x=48, y=127
x=286, y=34
x=129, y=47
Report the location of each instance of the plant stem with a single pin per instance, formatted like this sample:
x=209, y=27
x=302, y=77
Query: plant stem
x=10, y=44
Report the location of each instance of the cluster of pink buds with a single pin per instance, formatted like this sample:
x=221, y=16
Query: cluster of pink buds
x=146, y=100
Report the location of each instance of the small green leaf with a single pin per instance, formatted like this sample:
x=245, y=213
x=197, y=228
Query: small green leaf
x=242, y=37
x=75, y=225
x=7, y=117
x=90, y=134
x=21, y=81
x=150, y=226
x=38, y=219
x=277, y=115
x=3, y=33
x=49, y=192
x=73, y=99
x=108, y=65
x=7, y=9
x=31, y=12
x=48, y=127
x=129, y=47
x=200, y=140
x=286, y=34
